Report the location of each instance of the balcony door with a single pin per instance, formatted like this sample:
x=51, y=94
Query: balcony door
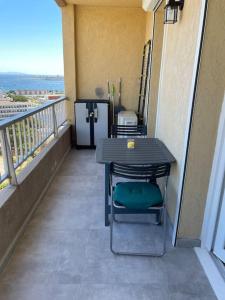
x=213, y=231
x=219, y=246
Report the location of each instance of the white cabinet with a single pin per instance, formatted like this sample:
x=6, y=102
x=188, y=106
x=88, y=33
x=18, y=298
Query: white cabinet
x=92, y=122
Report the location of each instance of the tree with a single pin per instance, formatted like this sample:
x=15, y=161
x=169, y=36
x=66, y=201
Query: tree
x=11, y=92
x=16, y=98
x=19, y=98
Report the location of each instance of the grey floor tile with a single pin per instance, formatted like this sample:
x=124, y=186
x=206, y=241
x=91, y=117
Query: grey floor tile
x=70, y=214
x=122, y=292
x=185, y=275
x=188, y=296
x=98, y=244
x=39, y=292
x=121, y=270
x=58, y=267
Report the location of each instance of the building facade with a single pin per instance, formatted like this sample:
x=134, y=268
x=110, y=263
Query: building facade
x=9, y=108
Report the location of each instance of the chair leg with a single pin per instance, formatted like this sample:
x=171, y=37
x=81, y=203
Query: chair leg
x=164, y=228
x=158, y=218
x=157, y=222
x=112, y=217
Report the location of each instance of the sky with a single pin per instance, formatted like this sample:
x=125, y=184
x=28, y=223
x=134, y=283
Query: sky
x=31, y=37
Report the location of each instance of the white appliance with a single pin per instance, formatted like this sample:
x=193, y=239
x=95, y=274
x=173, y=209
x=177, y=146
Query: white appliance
x=127, y=118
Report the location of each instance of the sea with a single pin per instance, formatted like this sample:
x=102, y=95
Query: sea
x=30, y=82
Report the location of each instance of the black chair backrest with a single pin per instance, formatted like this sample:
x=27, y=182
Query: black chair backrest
x=140, y=171
x=128, y=130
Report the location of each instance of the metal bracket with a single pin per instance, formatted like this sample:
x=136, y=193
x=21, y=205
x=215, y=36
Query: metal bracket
x=95, y=113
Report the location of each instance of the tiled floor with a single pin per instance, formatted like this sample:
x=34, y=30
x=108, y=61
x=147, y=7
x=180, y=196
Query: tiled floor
x=64, y=252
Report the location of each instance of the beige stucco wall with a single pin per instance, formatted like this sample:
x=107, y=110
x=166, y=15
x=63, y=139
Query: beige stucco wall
x=109, y=43
x=68, y=25
x=178, y=60
x=210, y=94
x=117, y=3
x=155, y=71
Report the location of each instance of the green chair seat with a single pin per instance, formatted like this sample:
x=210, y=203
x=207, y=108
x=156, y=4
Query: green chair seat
x=137, y=195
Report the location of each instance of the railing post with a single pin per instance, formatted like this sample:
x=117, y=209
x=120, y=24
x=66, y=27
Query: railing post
x=7, y=157
x=4, y=156
x=54, y=120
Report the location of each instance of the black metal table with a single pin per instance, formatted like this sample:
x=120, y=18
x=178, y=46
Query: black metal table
x=146, y=151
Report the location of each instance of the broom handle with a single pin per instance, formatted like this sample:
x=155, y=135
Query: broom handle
x=120, y=91
x=113, y=102
x=108, y=85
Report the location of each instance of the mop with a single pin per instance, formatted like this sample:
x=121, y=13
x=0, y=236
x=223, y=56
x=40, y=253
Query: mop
x=119, y=107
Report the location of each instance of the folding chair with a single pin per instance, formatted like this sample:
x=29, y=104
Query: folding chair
x=128, y=131
x=141, y=196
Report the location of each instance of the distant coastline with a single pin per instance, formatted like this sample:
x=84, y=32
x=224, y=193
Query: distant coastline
x=33, y=75
x=20, y=81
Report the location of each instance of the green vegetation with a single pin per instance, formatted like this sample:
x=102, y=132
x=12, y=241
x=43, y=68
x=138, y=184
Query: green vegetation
x=17, y=98
x=20, y=98
x=4, y=184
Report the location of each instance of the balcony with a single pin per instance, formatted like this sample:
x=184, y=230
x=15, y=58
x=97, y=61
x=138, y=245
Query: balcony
x=54, y=243
x=64, y=251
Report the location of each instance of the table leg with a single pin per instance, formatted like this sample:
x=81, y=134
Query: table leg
x=107, y=187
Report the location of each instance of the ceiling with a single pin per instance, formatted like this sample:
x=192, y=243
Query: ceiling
x=118, y=3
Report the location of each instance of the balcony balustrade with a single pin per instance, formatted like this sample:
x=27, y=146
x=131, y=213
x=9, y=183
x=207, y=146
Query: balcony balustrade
x=23, y=135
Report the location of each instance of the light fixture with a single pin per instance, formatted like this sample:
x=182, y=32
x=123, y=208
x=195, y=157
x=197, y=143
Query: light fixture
x=171, y=11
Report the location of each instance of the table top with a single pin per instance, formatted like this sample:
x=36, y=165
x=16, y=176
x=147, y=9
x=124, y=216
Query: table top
x=146, y=151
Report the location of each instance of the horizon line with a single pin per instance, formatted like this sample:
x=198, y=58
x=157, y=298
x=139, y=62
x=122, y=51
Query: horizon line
x=23, y=73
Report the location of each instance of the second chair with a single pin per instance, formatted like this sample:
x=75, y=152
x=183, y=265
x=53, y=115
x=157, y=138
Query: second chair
x=128, y=131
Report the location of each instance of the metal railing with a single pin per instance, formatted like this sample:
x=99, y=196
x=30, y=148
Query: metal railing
x=22, y=135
